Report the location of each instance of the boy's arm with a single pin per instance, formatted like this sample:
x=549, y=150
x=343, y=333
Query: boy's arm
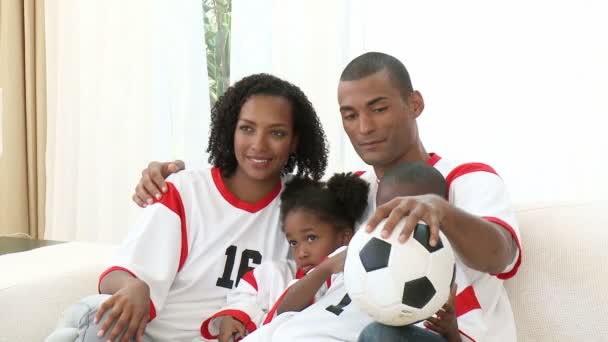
x=301, y=294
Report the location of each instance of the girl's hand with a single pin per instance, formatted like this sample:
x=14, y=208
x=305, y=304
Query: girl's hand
x=335, y=264
x=129, y=308
x=230, y=328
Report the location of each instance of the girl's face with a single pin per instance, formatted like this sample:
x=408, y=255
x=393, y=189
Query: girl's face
x=264, y=137
x=311, y=239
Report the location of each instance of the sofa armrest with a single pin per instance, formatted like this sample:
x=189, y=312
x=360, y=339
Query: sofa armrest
x=38, y=285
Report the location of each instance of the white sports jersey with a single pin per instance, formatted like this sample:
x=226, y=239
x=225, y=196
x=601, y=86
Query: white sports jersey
x=330, y=318
x=255, y=301
x=194, y=245
x=255, y=296
x=477, y=189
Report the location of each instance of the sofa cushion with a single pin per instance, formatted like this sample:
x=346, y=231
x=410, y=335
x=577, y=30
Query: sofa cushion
x=38, y=285
x=559, y=293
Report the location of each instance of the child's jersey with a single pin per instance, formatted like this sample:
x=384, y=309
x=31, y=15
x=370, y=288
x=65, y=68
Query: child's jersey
x=255, y=301
x=330, y=318
x=333, y=318
x=196, y=244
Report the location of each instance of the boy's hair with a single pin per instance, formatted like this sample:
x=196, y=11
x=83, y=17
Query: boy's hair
x=421, y=177
x=310, y=156
x=372, y=62
x=341, y=201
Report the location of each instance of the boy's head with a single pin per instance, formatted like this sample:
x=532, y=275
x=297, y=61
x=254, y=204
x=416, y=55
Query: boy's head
x=319, y=217
x=410, y=179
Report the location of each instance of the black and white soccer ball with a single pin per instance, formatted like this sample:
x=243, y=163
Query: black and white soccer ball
x=395, y=283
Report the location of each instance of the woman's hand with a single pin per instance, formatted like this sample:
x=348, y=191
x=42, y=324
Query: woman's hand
x=129, y=308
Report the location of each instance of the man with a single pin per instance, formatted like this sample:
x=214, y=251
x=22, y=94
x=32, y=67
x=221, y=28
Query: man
x=379, y=108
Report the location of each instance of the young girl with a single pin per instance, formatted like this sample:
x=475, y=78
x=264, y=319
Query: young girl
x=317, y=218
x=212, y=225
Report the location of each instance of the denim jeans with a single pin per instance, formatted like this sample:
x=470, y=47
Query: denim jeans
x=77, y=323
x=377, y=332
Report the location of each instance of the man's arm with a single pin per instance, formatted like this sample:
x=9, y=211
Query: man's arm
x=482, y=245
x=152, y=182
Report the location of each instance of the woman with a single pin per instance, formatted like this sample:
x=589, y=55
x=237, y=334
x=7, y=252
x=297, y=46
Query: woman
x=195, y=242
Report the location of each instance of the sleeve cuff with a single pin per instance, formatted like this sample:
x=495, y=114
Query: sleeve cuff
x=209, y=325
x=511, y=270
x=119, y=268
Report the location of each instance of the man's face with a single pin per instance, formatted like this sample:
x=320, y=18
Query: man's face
x=378, y=119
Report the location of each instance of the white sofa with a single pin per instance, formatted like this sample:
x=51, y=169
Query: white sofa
x=558, y=295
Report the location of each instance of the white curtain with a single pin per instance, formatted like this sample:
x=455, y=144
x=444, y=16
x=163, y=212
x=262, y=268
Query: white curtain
x=127, y=84
x=520, y=85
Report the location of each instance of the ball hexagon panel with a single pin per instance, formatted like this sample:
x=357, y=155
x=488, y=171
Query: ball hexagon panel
x=375, y=254
x=422, y=234
x=418, y=292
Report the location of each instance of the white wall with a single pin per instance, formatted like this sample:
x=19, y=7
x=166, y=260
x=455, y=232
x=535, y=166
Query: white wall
x=520, y=85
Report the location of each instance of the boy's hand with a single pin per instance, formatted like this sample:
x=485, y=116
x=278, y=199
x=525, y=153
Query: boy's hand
x=152, y=182
x=129, y=308
x=231, y=328
x=444, y=322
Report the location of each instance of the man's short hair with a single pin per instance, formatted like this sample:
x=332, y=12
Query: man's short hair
x=372, y=62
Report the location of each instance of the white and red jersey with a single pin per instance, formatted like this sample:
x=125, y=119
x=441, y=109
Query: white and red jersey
x=477, y=189
x=254, y=297
x=255, y=301
x=196, y=244
x=330, y=318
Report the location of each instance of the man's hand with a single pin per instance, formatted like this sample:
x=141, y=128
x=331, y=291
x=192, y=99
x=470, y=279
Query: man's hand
x=231, y=329
x=129, y=308
x=152, y=182
x=429, y=208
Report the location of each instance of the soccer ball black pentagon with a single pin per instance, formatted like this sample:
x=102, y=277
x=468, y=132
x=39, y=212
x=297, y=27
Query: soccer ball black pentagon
x=398, y=284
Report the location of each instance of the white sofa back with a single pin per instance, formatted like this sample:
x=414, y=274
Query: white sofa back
x=559, y=293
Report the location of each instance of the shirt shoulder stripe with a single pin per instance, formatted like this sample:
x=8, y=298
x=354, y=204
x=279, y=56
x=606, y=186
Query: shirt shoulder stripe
x=173, y=201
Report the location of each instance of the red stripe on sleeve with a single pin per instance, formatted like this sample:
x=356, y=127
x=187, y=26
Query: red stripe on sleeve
x=118, y=268
x=249, y=277
x=464, y=169
x=466, y=301
x=359, y=173
x=513, y=271
x=272, y=311
x=466, y=335
x=173, y=201
x=237, y=314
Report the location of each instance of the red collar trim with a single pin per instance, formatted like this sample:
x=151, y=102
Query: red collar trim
x=433, y=159
x=238, y=203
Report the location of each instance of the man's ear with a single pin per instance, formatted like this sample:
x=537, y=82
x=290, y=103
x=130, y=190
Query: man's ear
x=416, y=103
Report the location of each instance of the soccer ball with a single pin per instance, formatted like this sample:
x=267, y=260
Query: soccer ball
x=398, y=284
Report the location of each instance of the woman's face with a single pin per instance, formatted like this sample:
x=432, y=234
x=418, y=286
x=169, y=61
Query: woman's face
x=264, y=137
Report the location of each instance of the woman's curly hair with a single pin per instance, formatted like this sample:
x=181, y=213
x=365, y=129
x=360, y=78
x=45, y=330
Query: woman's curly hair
x=310, y=156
